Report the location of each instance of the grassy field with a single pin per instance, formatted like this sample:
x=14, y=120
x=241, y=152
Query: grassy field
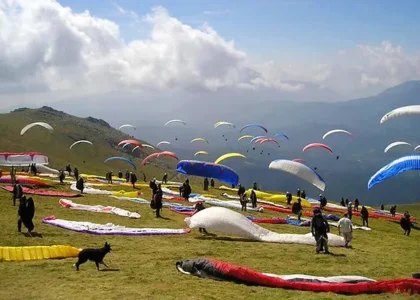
x=145, y=266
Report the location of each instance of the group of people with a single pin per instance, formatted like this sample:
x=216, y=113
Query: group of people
x=243, y=197
x=129, y=177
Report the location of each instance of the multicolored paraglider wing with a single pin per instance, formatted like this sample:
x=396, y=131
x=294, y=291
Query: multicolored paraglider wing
x=205, y=169
x=400, y=165
x=157, y=154
x=347, y=285
x=131, y=142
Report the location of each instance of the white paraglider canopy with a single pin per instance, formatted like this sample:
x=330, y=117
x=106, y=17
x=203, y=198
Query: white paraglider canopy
x=392, y=145
x=42, y=124
x=401, y=111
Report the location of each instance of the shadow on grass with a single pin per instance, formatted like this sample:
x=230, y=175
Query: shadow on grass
x=164, y=218
x=32, y=234
x=109, y=270
x=212, y=236
x=412, y=226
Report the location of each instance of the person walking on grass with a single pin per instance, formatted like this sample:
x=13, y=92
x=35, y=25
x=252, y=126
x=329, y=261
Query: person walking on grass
x=319, y=229
x=17, y=192
x=199, y=206
x=364, y=213
x=345, y=227
x=297, y=209
x=158, y=200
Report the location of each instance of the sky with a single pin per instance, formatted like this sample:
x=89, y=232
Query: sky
x=55, y=51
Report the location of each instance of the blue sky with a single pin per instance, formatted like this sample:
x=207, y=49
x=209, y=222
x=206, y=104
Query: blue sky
x=305, y=29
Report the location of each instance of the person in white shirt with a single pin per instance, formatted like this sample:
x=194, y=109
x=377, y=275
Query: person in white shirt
x=345, y=226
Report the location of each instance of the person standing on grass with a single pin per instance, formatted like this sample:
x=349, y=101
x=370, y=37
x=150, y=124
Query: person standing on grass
x=349, y=210
x=405, y=224
x=288, y=198
x=212, y=183
x=133, y=178
x=17, y=192
x=153, y=187
x=206, y=184
x=364, y=213
x=186, y=192
x=297, y=209
x=21, y=213
x=356, y=204
x=345, y=227
x=80, y=184
x=253, y=198
x=319, y=229
x=165, y=178
x=158, y=200
x=76, y=173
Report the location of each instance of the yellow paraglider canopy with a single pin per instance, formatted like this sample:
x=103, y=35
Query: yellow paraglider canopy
x=201, y=152
x=199, y=139
x=245, y=137
x=228, y=155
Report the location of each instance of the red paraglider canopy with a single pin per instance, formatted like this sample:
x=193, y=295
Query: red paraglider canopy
x=157, y=154
x=317, y=145
x=132, y=142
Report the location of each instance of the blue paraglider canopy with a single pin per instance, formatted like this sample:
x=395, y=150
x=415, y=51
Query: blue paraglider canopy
x=254, y=125
x=122, y=159
x=400, y=165
x=206, y=169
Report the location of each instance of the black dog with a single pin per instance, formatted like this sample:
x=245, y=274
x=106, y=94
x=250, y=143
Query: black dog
x=96, y=255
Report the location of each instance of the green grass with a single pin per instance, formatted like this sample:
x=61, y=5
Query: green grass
x=147, y=264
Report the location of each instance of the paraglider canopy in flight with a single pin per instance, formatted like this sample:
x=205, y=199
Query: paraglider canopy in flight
x=201, y=153
x=122, y=159
x=336, y=131
x=245, y=137
x=127, y=125
x=228, y=155
x=254, y=125
x=131, y=142
x=42, y=124
x=205, y=169
x=317, y=145
x=400, y=165
x=80, y=142
x=223, y=123
x=157, y=154
x=175, y=121
x=401, y=111
x=163, y=142
x=199, y=140
x=281, y=134
x=299, y=170
x=392, y=145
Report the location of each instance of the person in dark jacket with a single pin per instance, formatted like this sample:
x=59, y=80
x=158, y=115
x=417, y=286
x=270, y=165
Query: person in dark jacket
x=61, y=177
x=186, y=190
x=165, y=178
x=17, y=192
x=405, y=224
x=21, y=213
x=319, y=229
x=80, y=184
x=199, y=206
x=289, y=198
x=153, y=187
x=356, y=204
x=364, y=213
x=181, y=189
x=127, y=176
x=303, y=194
x=393, y=210
x=322, y=201
x=133, y=178
x=253, y=198
x=382, y=207
x=255, y=186
x=297, y=209
x=158, y=200
x=76, y=173
x=120, y=175
x=206, y=184
x=347, y=202
x=241, y=191
x=342, y=203
x=298, y=193
x=212, y=183
x=350, y=210
x=29, y=214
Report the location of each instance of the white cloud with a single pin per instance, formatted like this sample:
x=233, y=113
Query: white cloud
x=216, y=12
x=46, y=47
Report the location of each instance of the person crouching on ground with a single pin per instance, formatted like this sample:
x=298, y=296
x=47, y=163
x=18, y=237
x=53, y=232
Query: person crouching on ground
x=346, y=228
x=297, y=209
x=199, y=206
x=319, y=229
